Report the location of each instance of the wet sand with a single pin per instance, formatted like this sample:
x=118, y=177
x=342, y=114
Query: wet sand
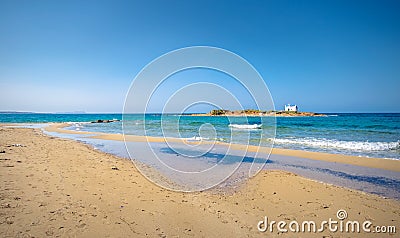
x=59, y=187
x=385, y=164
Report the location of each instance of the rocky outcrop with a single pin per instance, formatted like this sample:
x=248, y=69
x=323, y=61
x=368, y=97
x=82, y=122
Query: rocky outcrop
x=105, y=121
x=254, y=112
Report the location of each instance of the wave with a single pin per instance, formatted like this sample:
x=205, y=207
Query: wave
x=347, y=145
x=245, y=126
x=196, y=138
x=77, y=126
x=199, y=138
x=77, y=122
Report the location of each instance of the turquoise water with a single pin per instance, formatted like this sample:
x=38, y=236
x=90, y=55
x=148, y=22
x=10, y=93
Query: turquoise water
x=365, y=134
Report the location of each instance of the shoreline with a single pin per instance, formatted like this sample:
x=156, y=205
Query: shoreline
x=61, y=187
x=379, y=163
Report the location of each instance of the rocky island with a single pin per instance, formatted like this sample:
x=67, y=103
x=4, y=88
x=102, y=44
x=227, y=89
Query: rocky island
x=255, y=112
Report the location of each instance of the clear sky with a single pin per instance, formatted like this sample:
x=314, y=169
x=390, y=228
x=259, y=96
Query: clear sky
x=325, y=56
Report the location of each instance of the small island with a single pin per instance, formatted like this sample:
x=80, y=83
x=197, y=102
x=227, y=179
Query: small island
x=255, y=112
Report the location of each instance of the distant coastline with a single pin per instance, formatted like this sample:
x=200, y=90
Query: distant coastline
x=15, y=112
x=254, y=113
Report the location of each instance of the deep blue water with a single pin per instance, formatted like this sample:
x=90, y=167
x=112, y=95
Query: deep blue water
x=364, y=134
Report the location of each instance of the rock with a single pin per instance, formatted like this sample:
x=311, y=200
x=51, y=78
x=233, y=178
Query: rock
x=105, y=121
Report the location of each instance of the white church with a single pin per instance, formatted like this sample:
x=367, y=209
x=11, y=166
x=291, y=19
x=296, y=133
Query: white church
x=291, y=108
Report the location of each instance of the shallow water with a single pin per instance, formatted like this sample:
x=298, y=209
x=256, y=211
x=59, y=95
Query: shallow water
x=377, y=181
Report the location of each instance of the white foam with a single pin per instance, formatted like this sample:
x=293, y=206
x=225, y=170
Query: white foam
x=77, y=122
x=196, y=138
x=246, y=126
x=348, y=145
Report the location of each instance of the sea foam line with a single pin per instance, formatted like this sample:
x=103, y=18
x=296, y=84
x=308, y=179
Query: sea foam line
x=246, y=126
x=348, y=145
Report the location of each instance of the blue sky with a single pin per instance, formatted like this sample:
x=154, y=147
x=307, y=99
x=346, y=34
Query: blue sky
x=325, y=56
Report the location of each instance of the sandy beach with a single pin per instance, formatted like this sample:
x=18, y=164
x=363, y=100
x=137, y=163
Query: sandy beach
x=218, y=119
x=62, y=188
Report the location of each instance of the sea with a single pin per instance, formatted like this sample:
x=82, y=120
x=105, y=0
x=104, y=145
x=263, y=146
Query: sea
x=359, y=134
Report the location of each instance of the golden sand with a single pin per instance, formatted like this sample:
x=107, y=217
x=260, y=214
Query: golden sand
x=59, y=187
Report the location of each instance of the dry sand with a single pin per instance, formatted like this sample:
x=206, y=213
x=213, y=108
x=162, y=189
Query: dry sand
x=59, y=187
